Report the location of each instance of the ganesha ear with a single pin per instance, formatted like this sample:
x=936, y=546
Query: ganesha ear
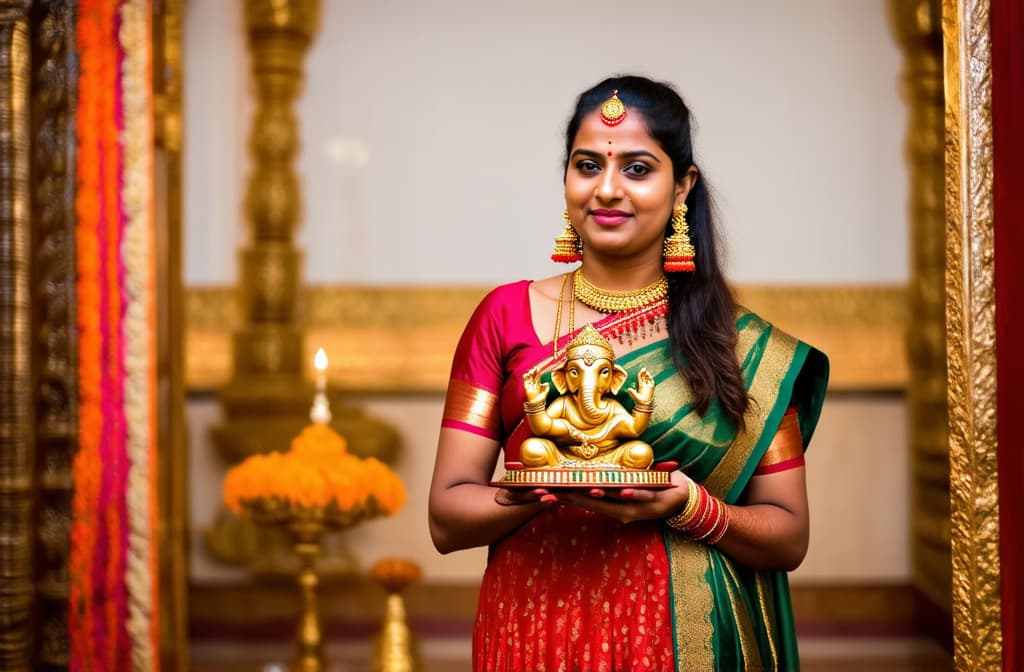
x=618, y=378
x=558, y=378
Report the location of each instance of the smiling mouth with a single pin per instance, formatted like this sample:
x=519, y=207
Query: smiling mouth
x=609, y=217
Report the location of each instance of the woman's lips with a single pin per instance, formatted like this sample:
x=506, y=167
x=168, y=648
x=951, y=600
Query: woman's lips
x=609, y=217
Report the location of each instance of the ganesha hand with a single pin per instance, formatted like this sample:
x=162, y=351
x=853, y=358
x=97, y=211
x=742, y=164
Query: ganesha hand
x=644, y=391
x=536, y=391
x=586, y=449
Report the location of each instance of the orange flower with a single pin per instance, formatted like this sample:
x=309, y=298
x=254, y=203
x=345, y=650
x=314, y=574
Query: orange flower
x=317, y=472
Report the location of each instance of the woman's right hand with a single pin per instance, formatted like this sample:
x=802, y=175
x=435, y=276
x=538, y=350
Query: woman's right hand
x=517, y=496
x=465, y=510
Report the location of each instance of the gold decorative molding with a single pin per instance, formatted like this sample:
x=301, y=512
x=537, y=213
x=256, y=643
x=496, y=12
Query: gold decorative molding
x=401, y=339
x=17, y=457
x=971, y=335
x=172, y=501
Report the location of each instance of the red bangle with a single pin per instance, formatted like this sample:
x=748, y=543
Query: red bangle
x=709, y=520
x=717, y=535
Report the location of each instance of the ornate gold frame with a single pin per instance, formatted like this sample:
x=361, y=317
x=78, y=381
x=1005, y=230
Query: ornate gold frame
x=970, y=316
x=401, y=339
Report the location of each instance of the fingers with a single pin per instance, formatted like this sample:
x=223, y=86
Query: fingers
x=638, y=495
x=516, y=497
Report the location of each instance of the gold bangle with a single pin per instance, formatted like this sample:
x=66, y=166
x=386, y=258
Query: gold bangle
x=641, y=407
x=534, y=408
x=693, y=503
x=682, y=519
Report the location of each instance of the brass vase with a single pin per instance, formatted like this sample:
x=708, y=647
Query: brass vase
x=395, y=649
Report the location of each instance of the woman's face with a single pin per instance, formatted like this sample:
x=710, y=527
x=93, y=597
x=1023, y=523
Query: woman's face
x=620, y=189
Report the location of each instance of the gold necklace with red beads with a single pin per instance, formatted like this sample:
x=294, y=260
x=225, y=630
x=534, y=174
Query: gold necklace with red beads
x=641, y=309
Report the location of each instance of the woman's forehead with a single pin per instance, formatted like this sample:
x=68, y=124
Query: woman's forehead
x=631, y=132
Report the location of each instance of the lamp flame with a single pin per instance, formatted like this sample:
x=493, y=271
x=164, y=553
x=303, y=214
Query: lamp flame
x=320, y=361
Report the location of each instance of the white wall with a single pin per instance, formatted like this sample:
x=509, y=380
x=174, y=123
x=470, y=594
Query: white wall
x=432, y=133
x=432, y=154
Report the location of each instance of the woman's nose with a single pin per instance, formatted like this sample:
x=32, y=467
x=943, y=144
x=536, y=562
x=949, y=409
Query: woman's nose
x=608, y=187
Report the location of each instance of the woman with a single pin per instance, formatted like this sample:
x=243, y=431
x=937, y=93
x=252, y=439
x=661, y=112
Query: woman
x=691, y=577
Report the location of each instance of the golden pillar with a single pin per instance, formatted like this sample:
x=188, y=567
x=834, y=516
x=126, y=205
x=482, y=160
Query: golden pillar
x=268, y=364
x=267, y=398
x=267, y=401
x=919, y=30
x=16, y=430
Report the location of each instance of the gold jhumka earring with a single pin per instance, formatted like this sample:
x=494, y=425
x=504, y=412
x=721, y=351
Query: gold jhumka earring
x=679, y=251
x=568, y=246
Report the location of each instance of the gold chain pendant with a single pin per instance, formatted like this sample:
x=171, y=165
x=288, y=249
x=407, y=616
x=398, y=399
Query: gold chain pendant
x=604, y=301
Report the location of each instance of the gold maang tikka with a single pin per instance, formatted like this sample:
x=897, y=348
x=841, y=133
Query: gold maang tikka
x=613, y=112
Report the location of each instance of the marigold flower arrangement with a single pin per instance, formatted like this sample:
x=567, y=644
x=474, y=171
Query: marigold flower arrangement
x=317, y=478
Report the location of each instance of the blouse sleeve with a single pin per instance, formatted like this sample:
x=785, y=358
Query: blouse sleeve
x=472, y=402
x=786, y=450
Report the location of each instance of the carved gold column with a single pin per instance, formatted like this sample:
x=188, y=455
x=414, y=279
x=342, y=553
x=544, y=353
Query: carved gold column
x=54, y=82
x=970, y=281
x=16, y=431
x=168, y=17
x=267, y=399
x=918, y=28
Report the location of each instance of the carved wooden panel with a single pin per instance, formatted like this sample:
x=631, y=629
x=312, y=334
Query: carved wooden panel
x=54, y=78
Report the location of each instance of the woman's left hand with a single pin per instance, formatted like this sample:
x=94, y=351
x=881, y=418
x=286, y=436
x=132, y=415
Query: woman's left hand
x=629, y=505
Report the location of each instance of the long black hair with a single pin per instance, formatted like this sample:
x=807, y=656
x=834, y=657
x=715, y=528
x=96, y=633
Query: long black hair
x=702, y=310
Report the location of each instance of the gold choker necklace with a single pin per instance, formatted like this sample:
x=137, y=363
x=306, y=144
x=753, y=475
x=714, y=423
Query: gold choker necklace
x=604, y=301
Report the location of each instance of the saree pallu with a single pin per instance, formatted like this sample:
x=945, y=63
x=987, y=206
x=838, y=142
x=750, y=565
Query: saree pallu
x=573, y=590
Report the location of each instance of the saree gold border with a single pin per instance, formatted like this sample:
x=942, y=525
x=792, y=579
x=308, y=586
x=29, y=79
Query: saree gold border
x=970, y=324
x=744, y=624
x=401, y=339
x=778, y=350
x=693, y=630
x=767, y=616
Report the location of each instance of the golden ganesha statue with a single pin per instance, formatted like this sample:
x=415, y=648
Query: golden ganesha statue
x=585, y=436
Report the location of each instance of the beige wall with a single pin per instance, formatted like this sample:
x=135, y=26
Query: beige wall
x=432, y=132
x=857, y=470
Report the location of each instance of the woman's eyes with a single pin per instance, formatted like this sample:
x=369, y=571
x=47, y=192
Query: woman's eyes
x=636, y=169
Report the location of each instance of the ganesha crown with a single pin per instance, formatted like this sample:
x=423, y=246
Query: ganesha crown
x=582, y=347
